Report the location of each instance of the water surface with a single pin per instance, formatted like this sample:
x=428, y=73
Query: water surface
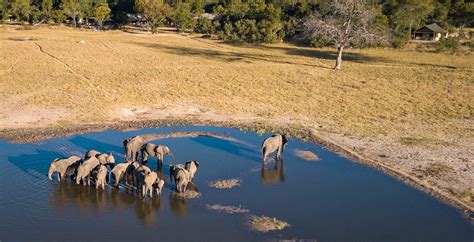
x=330, y=199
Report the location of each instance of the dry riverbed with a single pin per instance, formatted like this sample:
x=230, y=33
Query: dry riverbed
x=406, y=113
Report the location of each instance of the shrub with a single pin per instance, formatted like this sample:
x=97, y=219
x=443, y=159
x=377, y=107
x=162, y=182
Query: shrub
x=448, y=44
x=204, y=26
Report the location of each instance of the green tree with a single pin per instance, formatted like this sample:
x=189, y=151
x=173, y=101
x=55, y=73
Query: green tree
x=4, y=7
x=21, y=9
x=154, y=11
x=73, y=9
x=204, y=25
x=47, y=9
x=253, y=21
x=183, y=18
x=405, y=16
x=101, y=13
x=58, y=16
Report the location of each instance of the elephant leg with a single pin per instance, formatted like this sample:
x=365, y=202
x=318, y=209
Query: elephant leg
x=144, y=155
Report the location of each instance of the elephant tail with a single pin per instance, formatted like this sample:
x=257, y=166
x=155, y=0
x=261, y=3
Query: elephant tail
x=52, y=169
x=264, y=149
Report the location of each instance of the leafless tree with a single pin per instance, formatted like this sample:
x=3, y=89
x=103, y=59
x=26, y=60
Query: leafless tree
x=348, y=22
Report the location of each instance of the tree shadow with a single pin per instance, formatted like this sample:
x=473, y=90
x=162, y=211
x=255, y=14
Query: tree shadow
x=223, y=55
x=326, y=54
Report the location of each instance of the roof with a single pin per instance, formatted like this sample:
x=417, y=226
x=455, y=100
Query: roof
x=431, y=28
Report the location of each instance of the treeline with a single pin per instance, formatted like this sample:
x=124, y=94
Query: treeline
x=253, y=21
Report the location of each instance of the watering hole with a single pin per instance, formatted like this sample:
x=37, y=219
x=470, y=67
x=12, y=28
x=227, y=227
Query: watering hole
x=329, y=198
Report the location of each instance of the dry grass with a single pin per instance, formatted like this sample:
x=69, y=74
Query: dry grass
x=227, y=209
x=266, y=224
x=307, y=155
x=114, y=75
x=225, y=184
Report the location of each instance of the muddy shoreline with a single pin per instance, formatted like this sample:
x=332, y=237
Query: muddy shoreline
x=27, y=135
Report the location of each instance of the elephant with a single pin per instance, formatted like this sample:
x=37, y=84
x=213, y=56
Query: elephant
x=133, y=146
x=101, y=177
x=130, y=173
x=85, y=169
x=139, y=176
x=159, y=187
x=91, y=153
x=119, y=172
x=274, y=143
x=61, y=165
x=157, y=151
x=181, y=180
x=72, y=169
x=151, y=180
x=173, y=170
x=191, y=167
x=103, y=158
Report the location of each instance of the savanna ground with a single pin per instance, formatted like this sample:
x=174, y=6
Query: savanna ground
x=407, y=112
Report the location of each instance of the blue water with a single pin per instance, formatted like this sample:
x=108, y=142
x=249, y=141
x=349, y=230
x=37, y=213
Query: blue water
x=333, y=199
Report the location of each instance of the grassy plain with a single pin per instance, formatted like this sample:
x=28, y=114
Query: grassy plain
x=402, y=108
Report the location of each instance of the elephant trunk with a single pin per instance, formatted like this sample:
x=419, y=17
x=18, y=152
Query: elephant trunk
x=52, y=169
x=171, y=155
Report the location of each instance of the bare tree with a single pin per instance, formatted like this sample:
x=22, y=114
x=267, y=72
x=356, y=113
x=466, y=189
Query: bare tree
x=347, y=23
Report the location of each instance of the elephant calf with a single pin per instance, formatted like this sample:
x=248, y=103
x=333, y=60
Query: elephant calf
x=61, y=166
x=151, y=181
x=101, y=177
x=274, y=143
x=191, y=167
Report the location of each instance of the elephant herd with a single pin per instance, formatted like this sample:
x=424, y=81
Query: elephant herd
x=94, y=167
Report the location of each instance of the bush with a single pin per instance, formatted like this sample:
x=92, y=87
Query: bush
x=59, y=16
x=204, y=26
x=399, y=40
x=253, y=21
x=183, y=18
x=448, y=44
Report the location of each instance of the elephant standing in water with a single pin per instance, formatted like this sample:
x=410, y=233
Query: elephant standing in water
x=276, y=142
x=157, y=151
x=133, y=146
x=61, y=166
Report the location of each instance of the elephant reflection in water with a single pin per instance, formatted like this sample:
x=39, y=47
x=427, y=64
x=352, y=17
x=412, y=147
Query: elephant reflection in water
x=146, y=210
x=273, y=175
x=178, y=201
x=66, y=195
